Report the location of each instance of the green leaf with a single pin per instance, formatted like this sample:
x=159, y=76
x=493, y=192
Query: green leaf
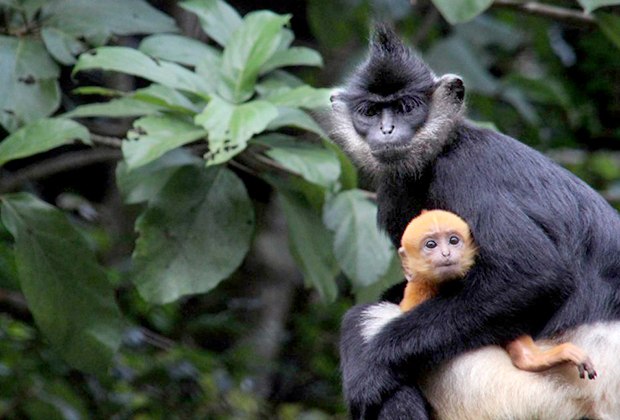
x=68, y=293
x=177, y=48
x=217, y=18
x=296, y=56
x=194, y=234
x=278, y=81
x=348, y=172
x=131, y=61
x=167, y=97
x=591, y=5
x=294, y=117
x=231, y=126
x=62, y=46
x=310, y=244
x=373, y=292
x=145, y=182
x=248, y=48
x=28, y=82
x=312, y=162
x=215, y=118
x=458, y=11
x=610, y=25
x=249, y=119
x=116, y=108
x=453, y=55
x=41, y=136
x=148, y=101
x=303, y=96
x=363, y=252
x=100, y=19
x=544, y=90
x=153, y=136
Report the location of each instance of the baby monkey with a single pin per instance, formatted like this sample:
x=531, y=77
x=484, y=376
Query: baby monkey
x=437, y=247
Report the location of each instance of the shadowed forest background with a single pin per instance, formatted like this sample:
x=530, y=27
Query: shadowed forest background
x=179, y=238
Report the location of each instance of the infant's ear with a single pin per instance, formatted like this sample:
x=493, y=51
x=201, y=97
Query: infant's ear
x=403, y=257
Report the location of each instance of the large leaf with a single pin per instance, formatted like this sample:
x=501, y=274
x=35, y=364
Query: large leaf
x=311, y=244
x=28, y=86
x=314, y=163
x=303, y=96
x=296, y=56
x=249, y=119
x=248, y=48
x=100, y=19
x=116, y=108
x=41, y=136
x=215, y=118
x=177, y=48
x=231, y=126
x=217, y=18
x=153, y=136
x=131, y=61
x=453, y=55
x=295, y=117
x=457, y=11
x=348, y=171
x=194, y=234
x=363, y=252
x=62, y=46
x=144, y=183
x=590, y=5
x=67, y=291
x=168, y=98
x=372, y=293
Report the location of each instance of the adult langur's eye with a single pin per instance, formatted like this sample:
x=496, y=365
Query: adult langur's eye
x=369, y=111
x=430, y=244
x=406, y=105
x=454, y=240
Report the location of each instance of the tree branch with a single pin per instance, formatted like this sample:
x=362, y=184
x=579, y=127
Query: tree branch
x=545, y=10
x=62, y=163
x=114, y=142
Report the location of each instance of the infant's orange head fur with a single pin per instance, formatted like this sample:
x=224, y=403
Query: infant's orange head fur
x=437, y=246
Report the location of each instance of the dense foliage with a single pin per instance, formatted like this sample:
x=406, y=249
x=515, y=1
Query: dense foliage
x=216, y=142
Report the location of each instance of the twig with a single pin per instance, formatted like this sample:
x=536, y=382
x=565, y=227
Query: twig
x=156, y=340
x=62, y=163
x=106, y=141
x=553, y=12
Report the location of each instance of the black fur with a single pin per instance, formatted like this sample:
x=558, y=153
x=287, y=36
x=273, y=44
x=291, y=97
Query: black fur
x=549, y=259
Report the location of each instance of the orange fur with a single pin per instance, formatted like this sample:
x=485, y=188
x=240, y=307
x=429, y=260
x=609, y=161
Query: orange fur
x=423, y=281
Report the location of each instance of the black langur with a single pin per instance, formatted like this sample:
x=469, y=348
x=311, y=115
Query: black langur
x=437, y=247
x=548, y=255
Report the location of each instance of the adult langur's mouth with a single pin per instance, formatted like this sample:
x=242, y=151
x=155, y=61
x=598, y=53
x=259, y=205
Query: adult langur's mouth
x=392, y=153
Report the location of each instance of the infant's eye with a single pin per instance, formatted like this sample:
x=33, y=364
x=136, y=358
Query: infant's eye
x=430, y=244
x=454, y=240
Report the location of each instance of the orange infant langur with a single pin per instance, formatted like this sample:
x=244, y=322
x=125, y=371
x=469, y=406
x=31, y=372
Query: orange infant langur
x=437, y=247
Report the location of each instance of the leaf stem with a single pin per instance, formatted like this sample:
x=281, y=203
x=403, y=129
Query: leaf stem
x=548, y=11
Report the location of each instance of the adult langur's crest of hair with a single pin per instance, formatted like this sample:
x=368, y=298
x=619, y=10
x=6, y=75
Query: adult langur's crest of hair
x=391, y=65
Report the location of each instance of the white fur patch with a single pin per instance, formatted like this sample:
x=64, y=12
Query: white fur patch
x=376, y=316
x=484, y=384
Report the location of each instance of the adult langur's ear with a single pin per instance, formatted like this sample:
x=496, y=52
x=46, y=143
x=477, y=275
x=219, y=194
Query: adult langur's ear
x=336, y=96
x=453, y=82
